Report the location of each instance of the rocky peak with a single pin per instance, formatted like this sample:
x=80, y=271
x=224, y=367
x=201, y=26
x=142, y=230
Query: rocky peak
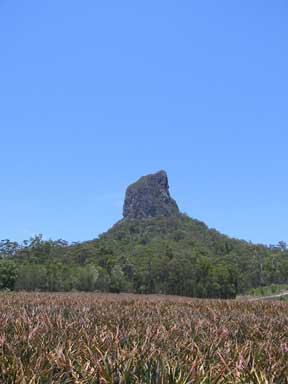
x=149, y=197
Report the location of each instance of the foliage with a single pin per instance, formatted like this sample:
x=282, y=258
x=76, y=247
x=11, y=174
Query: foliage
x=8, y=274
x=269, y=290
x=167, y=255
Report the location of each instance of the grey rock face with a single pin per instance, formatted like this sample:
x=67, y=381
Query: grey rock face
x=149, y=197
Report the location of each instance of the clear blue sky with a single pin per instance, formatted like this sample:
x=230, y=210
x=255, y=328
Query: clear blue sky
x=94, y=94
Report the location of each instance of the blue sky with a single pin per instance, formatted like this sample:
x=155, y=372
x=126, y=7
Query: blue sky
x=94, y=94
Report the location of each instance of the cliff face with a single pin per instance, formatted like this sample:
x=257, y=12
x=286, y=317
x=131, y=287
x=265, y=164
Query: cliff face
x=149, y=197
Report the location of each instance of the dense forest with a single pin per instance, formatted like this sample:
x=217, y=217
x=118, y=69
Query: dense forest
x=166, y=255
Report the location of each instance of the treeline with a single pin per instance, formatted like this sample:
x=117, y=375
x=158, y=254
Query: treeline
x=165, y=255
x=58, y=277
x=38, y=265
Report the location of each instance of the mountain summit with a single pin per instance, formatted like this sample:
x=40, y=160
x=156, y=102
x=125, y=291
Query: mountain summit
x=149, y=197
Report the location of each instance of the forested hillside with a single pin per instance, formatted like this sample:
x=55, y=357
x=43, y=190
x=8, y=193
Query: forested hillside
x=169, y=255
x=154, y=249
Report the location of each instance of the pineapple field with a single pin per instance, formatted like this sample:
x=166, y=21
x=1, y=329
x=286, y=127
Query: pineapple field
x=123, y=338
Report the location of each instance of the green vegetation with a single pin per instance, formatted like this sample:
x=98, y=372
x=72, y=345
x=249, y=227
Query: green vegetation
x=166, y=255
x=270, y=290
x=128, y=339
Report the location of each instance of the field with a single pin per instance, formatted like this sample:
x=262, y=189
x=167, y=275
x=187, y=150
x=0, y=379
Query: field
x=98, y=338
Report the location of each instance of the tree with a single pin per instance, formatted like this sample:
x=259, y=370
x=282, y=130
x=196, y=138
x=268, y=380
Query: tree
x=118, y=281
x=8, y=248
x=8, y=274
x=88, y=278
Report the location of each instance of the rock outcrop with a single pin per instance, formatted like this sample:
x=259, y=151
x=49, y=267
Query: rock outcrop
x=149, y=197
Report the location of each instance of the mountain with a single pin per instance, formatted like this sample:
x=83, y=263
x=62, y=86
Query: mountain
x=154, y=248
x=149, y=197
